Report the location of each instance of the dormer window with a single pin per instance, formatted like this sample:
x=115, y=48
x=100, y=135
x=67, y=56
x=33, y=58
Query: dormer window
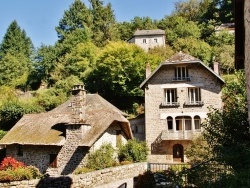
x=181, y=73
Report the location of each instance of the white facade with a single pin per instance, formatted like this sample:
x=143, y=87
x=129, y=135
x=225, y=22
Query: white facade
x=148, y=39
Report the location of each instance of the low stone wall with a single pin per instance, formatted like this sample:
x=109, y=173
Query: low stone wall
x=112, y=176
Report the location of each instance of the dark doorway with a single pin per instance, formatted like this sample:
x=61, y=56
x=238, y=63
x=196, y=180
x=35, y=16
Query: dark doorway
x=178, y=154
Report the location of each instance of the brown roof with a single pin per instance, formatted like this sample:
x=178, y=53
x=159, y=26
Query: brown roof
x=49, y=128
x=181, y=57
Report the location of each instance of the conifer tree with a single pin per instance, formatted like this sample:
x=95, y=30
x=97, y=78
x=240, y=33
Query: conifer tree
x=15, y=56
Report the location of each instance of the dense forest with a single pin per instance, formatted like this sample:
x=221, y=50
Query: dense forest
x=92, y=48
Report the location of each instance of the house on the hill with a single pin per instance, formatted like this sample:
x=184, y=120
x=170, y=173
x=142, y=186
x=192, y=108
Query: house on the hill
x=148, y=39
x=58, y=141
x=177, y=96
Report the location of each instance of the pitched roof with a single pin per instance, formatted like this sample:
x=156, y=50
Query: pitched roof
x=49, y=128
x=183, y=58
x=149, y=32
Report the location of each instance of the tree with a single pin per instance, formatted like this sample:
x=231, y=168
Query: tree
x=77, y=17
x=195, y=47
x=104, y=27
x=119, y=71
x=15, y=57
x=224, y=54
x=179, y=27
x=227, y=131
x=190, y=9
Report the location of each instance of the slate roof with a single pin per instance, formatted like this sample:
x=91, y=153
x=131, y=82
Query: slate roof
x=183, y=58
x=149, y=32
x=49, y=128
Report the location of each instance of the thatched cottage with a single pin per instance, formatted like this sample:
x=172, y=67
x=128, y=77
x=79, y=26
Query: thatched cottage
x=57, y=141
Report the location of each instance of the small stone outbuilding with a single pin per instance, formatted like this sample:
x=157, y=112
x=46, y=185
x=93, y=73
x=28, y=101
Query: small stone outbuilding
x=58, y=141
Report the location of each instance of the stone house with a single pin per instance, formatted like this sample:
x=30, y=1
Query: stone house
x=148, y=39
x=138, y=127
x=177, y=96
x=58, y=141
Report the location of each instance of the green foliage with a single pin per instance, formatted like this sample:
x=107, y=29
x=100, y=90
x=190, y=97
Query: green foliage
x=2, y=133
x=198, y=151
x=134, y=151
x=194, y=47
x=77, y=17
x=225, y=55
x=179, y=27
x=104, y=27
x=121, y=67
x=101, y=158
x=15, y=57
x=12, y=111
x=50, y=98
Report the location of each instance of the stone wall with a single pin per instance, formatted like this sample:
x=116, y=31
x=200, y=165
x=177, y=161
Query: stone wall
x=113, y=177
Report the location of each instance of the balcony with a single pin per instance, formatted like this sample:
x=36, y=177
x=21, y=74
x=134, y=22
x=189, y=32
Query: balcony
x=169, y=104
x=179, y=135
x=181, y=79
x=194, y=103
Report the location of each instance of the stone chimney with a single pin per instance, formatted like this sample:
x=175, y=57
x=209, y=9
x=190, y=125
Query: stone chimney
x=148, y=70
x=216, y=67
x=78, y=103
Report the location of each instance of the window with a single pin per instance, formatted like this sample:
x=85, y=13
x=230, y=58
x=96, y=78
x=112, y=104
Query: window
x=20, y=150
x=194, y=96
x=183, y=123
x=181, y=73
x=53, y=160
x=197, y=122
x=155, y=40
x=170, y=97
x=144, y=41
x=170, y=123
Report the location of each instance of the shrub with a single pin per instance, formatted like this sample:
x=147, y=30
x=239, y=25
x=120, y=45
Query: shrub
x=10, y=163
x=134, y=151
x=12, y=170
x=101, y=158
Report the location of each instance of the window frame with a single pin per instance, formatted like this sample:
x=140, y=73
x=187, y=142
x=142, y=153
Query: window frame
x=194, y=95
x=170, y=97
x=53, y=160
x=181, y=73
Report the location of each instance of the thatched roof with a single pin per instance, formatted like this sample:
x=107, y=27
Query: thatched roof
x=49, y=128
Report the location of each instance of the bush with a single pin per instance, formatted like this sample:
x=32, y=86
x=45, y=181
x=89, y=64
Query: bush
x=101, y=158
x=134, y=151
x=13, y=170
x=10, y=163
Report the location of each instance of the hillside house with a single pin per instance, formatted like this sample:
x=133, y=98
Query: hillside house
x=58, y=141
x=177, y=96
x=148, y=39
